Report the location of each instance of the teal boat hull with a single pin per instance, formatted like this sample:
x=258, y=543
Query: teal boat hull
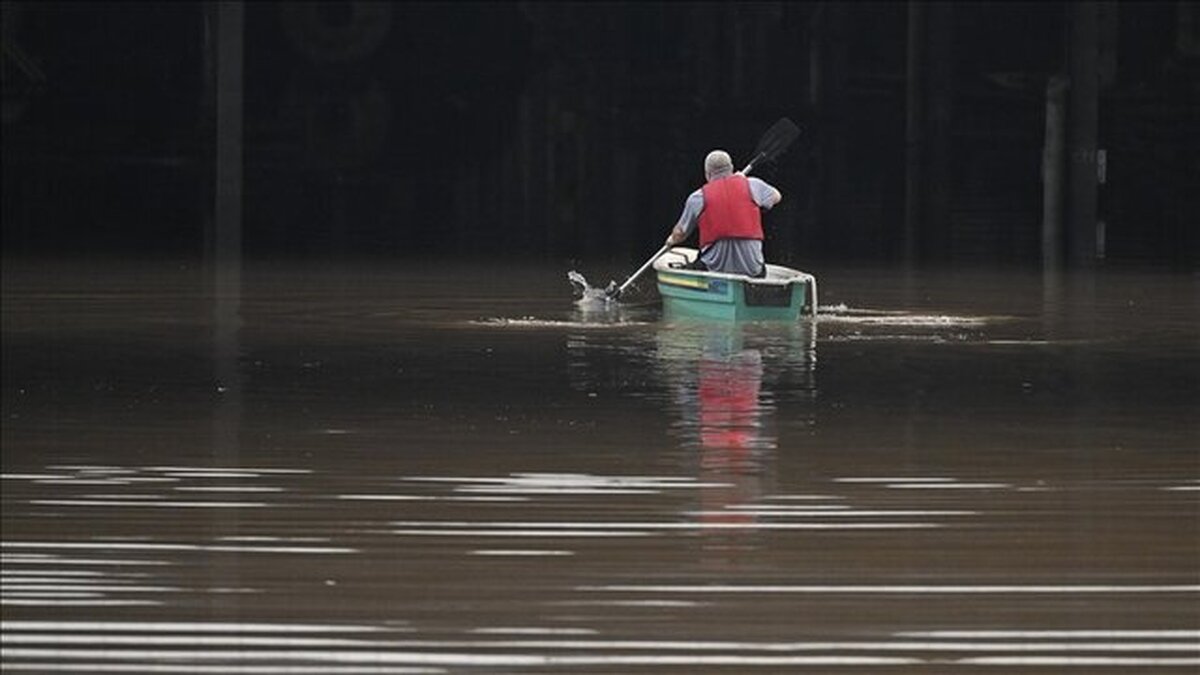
x=784, y=294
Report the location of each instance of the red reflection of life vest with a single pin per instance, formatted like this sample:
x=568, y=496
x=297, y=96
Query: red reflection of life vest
x=729, y=211
x=728, y=393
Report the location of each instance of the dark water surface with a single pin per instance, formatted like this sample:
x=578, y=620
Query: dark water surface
x=370, y=469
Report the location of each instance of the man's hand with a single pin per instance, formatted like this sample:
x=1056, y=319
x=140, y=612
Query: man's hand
x=676, y=236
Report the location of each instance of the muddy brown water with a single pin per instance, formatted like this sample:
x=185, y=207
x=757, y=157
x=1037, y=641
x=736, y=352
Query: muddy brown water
x=387, y=469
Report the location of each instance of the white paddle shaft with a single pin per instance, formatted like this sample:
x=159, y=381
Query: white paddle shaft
x=643, y=268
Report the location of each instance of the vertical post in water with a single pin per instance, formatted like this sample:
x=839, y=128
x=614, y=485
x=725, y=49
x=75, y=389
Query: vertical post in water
x=813, y=236
x=228, y=23
x=227, y=243
x=1083, y=113
x=1053, y=149
x=837, y=201
x=939, y=112
x=227, y=216
x=914, y=123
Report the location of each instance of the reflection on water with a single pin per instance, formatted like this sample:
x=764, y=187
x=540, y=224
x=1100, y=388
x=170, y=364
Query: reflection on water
x=431, y=471
x=716, y=371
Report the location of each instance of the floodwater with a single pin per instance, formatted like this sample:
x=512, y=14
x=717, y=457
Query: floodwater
x=389, y=469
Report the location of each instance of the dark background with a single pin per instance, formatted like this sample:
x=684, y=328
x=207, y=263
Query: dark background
x=567, y=131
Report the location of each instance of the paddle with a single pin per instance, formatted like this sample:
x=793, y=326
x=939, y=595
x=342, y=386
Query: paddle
x=771, y=145
x=614, y=291
x=774, y=142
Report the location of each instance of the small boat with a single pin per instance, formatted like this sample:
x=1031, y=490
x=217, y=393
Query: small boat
x=784, y=294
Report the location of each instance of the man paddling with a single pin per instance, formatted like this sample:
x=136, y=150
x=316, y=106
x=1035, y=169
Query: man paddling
x=727, y=210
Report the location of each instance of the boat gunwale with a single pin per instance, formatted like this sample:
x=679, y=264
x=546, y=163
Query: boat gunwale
x=787, y=275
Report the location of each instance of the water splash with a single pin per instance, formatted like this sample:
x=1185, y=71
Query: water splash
x=594, y=308
x=590, y=297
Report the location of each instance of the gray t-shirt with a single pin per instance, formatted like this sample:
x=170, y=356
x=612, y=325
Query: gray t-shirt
x=735, y=256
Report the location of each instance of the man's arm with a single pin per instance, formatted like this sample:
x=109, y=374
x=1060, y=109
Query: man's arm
x=764, y=194
x=687, y=220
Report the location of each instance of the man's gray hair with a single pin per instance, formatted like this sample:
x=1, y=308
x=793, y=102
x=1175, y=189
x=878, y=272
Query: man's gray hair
x=717, y=162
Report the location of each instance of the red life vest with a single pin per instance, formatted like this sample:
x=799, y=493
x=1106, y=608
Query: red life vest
x=729, y=211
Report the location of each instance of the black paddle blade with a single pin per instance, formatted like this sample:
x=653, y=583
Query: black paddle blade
x=776, y=140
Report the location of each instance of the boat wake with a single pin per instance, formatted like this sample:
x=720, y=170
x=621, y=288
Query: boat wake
x=850, y=324
x=534, y=322
x=875, y=317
